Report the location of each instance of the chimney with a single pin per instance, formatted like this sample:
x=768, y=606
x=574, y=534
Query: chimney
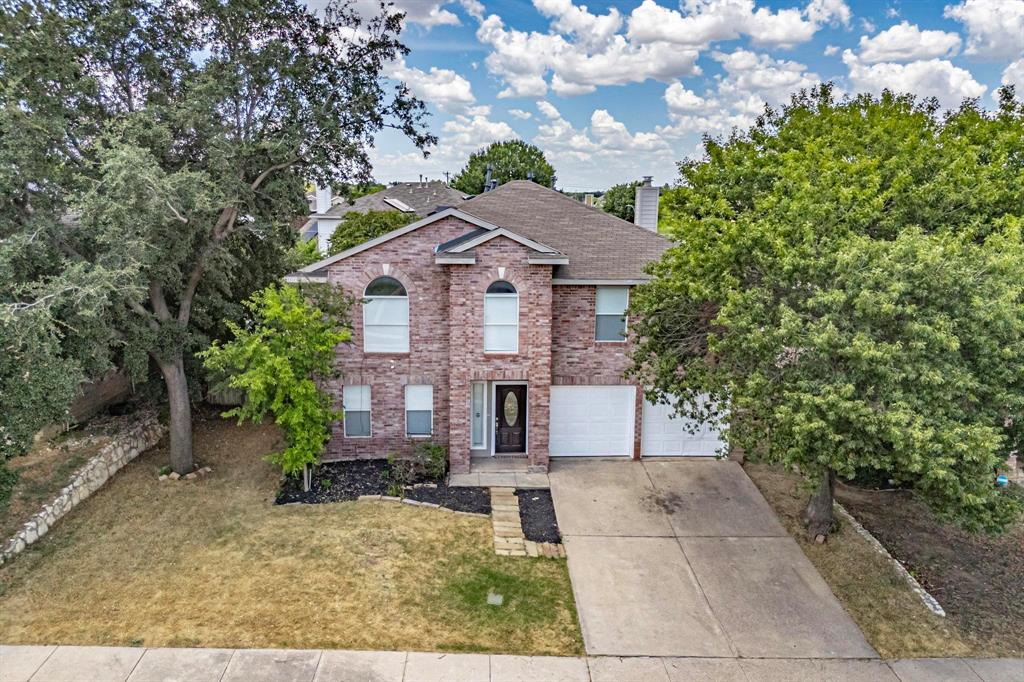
x=645, y=205
x=487, y=179
x=323, y=199
x=588, y=199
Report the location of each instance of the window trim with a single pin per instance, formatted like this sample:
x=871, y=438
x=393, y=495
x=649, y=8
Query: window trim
x=406, y=412
x=407, y=325
x=514, y=351
x=368, y=411
x=625, y=316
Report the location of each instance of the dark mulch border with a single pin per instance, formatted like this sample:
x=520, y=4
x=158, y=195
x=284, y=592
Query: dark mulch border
x=537, y=514
x=346, y=481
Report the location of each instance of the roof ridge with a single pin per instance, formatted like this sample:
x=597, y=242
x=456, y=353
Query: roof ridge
x=579, y=204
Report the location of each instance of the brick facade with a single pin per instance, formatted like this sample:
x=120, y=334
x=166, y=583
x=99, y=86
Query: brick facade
x=446, y=313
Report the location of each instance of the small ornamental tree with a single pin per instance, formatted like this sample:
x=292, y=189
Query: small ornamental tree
x=360, y=227
x=509, y=160
x=847, y=280
x=278, y=361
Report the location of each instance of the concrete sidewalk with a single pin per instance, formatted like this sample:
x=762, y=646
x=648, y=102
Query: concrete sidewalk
x=122, y=664
x=684, y=557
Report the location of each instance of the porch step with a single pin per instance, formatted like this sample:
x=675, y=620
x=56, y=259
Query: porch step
x=503, y=479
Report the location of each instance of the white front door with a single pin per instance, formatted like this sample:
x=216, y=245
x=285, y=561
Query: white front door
x=592, y=421
x=662, y=434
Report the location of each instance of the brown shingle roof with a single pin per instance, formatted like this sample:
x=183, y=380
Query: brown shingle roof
x=423, y=198
x=598, y=244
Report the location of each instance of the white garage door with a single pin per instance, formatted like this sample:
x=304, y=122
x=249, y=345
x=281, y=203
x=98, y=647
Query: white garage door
x=592, y=421
x=662, y=434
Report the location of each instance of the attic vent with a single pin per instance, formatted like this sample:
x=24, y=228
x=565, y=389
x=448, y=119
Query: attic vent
x=400, y=205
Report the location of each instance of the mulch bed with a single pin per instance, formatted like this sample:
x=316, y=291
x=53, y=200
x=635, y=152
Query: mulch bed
x=978, y=579
x=346, y=481
x=537, y=514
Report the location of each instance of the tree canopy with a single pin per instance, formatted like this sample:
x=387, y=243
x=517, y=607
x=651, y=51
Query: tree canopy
x=619, y=200
x=154, y=156
x=358, y=227
x=509, y=160
x=846, y=281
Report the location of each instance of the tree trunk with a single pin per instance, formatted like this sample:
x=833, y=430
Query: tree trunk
x=817, y=516
x=181, y=414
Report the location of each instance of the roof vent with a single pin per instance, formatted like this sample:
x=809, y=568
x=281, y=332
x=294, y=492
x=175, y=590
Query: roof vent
x=645, y=213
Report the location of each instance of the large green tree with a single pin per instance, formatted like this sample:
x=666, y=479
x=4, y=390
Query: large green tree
x=846, y=281
x=508, y=160
x=620, y=200
x=358, y=227
x=174, y=141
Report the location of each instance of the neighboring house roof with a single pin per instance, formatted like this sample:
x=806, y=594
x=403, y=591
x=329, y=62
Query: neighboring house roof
x=599, y=245
x=585, y=243
x=421, y=198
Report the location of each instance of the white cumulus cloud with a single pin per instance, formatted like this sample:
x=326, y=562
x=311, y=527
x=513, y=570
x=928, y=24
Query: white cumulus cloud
x=444, y=88
x=1014, y=75
x=995, y=28
x=701, y=22
x=937, y=78
x=905, y=42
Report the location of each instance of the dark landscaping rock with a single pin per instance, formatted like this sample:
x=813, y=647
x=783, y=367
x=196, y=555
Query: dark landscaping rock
x=537, y=515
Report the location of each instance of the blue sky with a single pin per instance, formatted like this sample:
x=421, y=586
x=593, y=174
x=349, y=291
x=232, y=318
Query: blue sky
x=613, y=90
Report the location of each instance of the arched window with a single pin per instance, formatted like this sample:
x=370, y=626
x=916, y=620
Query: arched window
x=385, y=317
x=501, y=318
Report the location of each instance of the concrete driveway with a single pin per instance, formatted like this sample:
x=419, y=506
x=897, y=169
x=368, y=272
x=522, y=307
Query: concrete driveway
x=684, y=557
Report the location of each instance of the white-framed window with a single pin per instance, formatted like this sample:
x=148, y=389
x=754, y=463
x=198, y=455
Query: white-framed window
x=419, y=410
x=611, y=313
x=356, y=401
x=385, y=317
x=501, y=318
x=478, y=416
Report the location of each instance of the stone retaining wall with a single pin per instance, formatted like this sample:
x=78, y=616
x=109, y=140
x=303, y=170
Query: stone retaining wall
x=123, y=448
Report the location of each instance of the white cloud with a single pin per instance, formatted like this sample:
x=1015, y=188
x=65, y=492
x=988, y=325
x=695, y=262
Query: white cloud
x=444, y=88
x=868, y=25
x=702, y=22
x=995, y=28
x=905, y=42
x=774, y=80
x=423, y=12
x=831, y=50
x=1014, y=75
x=474, y=8
x=589, y=29
x=683, y=101
x=520, y=114
x=465, y=134
x=606, y=145
x=927, y=78
x=523, y=60
x=750, y=82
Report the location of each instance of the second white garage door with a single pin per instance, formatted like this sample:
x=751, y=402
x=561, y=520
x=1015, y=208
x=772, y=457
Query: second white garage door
x=592, y=421
x=663, y=434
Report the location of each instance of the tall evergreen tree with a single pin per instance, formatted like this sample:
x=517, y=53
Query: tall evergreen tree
x=508, y=160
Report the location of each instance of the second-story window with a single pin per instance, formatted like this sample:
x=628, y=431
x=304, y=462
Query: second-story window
x=501, y=318
x=385, y=317
x=611, y=313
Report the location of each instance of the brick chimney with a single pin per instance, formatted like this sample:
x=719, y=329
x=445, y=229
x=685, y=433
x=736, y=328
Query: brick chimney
x=645, y=205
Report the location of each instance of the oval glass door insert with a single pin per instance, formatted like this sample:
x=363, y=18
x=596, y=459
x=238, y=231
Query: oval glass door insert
x=511, y=409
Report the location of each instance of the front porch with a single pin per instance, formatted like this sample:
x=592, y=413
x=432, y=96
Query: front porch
x=499, y=471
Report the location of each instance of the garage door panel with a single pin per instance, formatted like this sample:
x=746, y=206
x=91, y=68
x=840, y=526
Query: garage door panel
x=664, y=434
x=592, y=421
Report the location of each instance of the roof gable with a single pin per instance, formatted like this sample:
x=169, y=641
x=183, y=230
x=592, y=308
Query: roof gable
x=411, y=227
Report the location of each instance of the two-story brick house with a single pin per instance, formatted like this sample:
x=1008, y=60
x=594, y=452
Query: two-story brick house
x=498, y=327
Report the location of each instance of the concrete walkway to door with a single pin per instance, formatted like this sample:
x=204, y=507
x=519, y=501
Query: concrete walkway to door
x=685, y=558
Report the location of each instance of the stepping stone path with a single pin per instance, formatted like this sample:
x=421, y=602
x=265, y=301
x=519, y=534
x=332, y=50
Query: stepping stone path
x=508, y=529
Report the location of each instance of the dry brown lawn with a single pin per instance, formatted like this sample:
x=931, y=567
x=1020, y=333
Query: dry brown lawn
x=214, y=563
x=893, y=618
